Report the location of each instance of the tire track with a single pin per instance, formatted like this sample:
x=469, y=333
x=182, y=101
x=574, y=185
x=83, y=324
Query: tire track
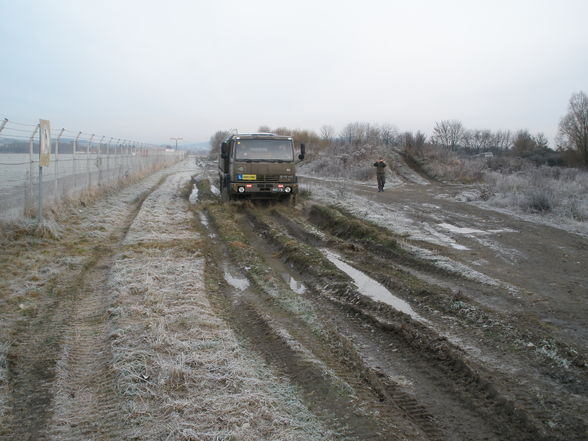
x=87, y=403
x=464, y=386
x=62, y=341
x=335, y=383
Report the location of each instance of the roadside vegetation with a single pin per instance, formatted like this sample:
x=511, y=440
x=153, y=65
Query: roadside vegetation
x=514, y=170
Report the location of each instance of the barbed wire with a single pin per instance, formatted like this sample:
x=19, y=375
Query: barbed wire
x=81, y=136
x=18, y=123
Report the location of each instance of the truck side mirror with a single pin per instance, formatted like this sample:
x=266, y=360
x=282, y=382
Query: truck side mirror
x=224, y=150
x=302, y=152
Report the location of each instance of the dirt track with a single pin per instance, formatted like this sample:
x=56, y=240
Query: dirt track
x=163, y=319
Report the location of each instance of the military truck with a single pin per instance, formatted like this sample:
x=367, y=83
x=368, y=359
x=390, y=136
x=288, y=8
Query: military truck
x=258, y=166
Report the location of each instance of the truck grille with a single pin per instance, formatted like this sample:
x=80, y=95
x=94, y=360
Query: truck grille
x=268, y=178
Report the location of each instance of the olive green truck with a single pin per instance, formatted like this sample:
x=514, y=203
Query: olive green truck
x=258, y=166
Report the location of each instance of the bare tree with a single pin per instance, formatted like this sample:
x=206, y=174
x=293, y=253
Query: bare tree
x=215, y=142
x=523, y=142
x=573, y=127
x=372, y=134
x=355, y=133
x=327, y=134
x=284, y=131
x=477, y=140
x=419, y=139
x=448, y=133
x=264, y=129
x=541, y=141
x=502, y=140
x=388, y=134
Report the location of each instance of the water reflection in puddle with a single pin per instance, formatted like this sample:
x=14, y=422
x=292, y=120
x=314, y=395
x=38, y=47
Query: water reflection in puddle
x=371, y=288
x=204, y=220
x=295, y=285
x=194, y=195
x=236, y=281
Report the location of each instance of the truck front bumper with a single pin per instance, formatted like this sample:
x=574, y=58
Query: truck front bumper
x=264, y=189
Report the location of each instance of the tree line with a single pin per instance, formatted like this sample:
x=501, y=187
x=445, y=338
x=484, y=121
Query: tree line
x=572, y=138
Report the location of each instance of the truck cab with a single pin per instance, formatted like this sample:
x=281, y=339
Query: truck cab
x=258, y=166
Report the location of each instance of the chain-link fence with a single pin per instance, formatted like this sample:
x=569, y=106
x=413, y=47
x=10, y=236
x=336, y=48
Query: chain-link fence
x=81, y=164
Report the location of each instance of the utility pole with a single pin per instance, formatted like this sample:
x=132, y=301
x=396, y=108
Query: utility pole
x=176, y=140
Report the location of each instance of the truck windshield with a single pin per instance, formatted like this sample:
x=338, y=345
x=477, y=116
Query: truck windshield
x=264, y=150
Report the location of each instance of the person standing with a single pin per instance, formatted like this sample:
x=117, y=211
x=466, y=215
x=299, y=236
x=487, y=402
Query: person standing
x=380, y=173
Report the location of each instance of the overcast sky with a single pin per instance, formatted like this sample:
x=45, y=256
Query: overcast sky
x=151, y=70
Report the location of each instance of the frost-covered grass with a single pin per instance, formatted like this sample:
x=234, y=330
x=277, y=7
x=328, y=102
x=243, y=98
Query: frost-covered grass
x=39, y=265
x=181, y=368
x=351, y=163
x=447, y=165
x=19, y=228
x=4, y=347
x=152, y=221
x=393, y=218
x=560, y=192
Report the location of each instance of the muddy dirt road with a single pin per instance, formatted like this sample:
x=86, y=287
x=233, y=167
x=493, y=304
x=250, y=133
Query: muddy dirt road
x=158, y=312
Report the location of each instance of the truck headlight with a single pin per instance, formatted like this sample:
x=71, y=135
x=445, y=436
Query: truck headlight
x=241, y=189
x=288, y=189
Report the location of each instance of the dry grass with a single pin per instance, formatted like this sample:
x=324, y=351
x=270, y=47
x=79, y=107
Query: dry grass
x=38, y=265
x=14, y=230
x=346, y=161
x=559, y=191
x=181, y=370
x=446, y=165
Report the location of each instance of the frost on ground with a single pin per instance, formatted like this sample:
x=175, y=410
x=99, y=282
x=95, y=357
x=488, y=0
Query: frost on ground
x=194, y=194
x=181, y=369
x=553, y=196
x=41, y=269
x=4, y=347
x=28, y=272
x=393, y=218
x=152, y=221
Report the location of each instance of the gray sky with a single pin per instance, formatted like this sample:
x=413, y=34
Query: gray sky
x=150, y=70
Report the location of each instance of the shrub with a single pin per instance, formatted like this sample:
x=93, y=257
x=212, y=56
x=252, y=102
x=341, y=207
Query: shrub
x=560, y=191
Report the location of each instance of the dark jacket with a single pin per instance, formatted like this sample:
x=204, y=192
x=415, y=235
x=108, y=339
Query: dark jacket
x=381, y=165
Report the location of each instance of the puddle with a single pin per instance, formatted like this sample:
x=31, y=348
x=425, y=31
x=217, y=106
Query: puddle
x=295, y=285
x=236, y=281
x=371, y=288
x=204, y=220
x=459, y=230
x=274, y=263
x=194, y=195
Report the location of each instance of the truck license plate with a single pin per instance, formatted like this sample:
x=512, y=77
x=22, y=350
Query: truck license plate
x=247, y=177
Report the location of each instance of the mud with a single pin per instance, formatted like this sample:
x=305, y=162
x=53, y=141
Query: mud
x=183, y=317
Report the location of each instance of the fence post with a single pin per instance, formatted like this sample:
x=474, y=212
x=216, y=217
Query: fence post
x=109, y=172
x=88, y=166
x=74, y=165
x=56, y=183
x=118, y=159
x=128, y=157
x=29, y=192
x=99, y=161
